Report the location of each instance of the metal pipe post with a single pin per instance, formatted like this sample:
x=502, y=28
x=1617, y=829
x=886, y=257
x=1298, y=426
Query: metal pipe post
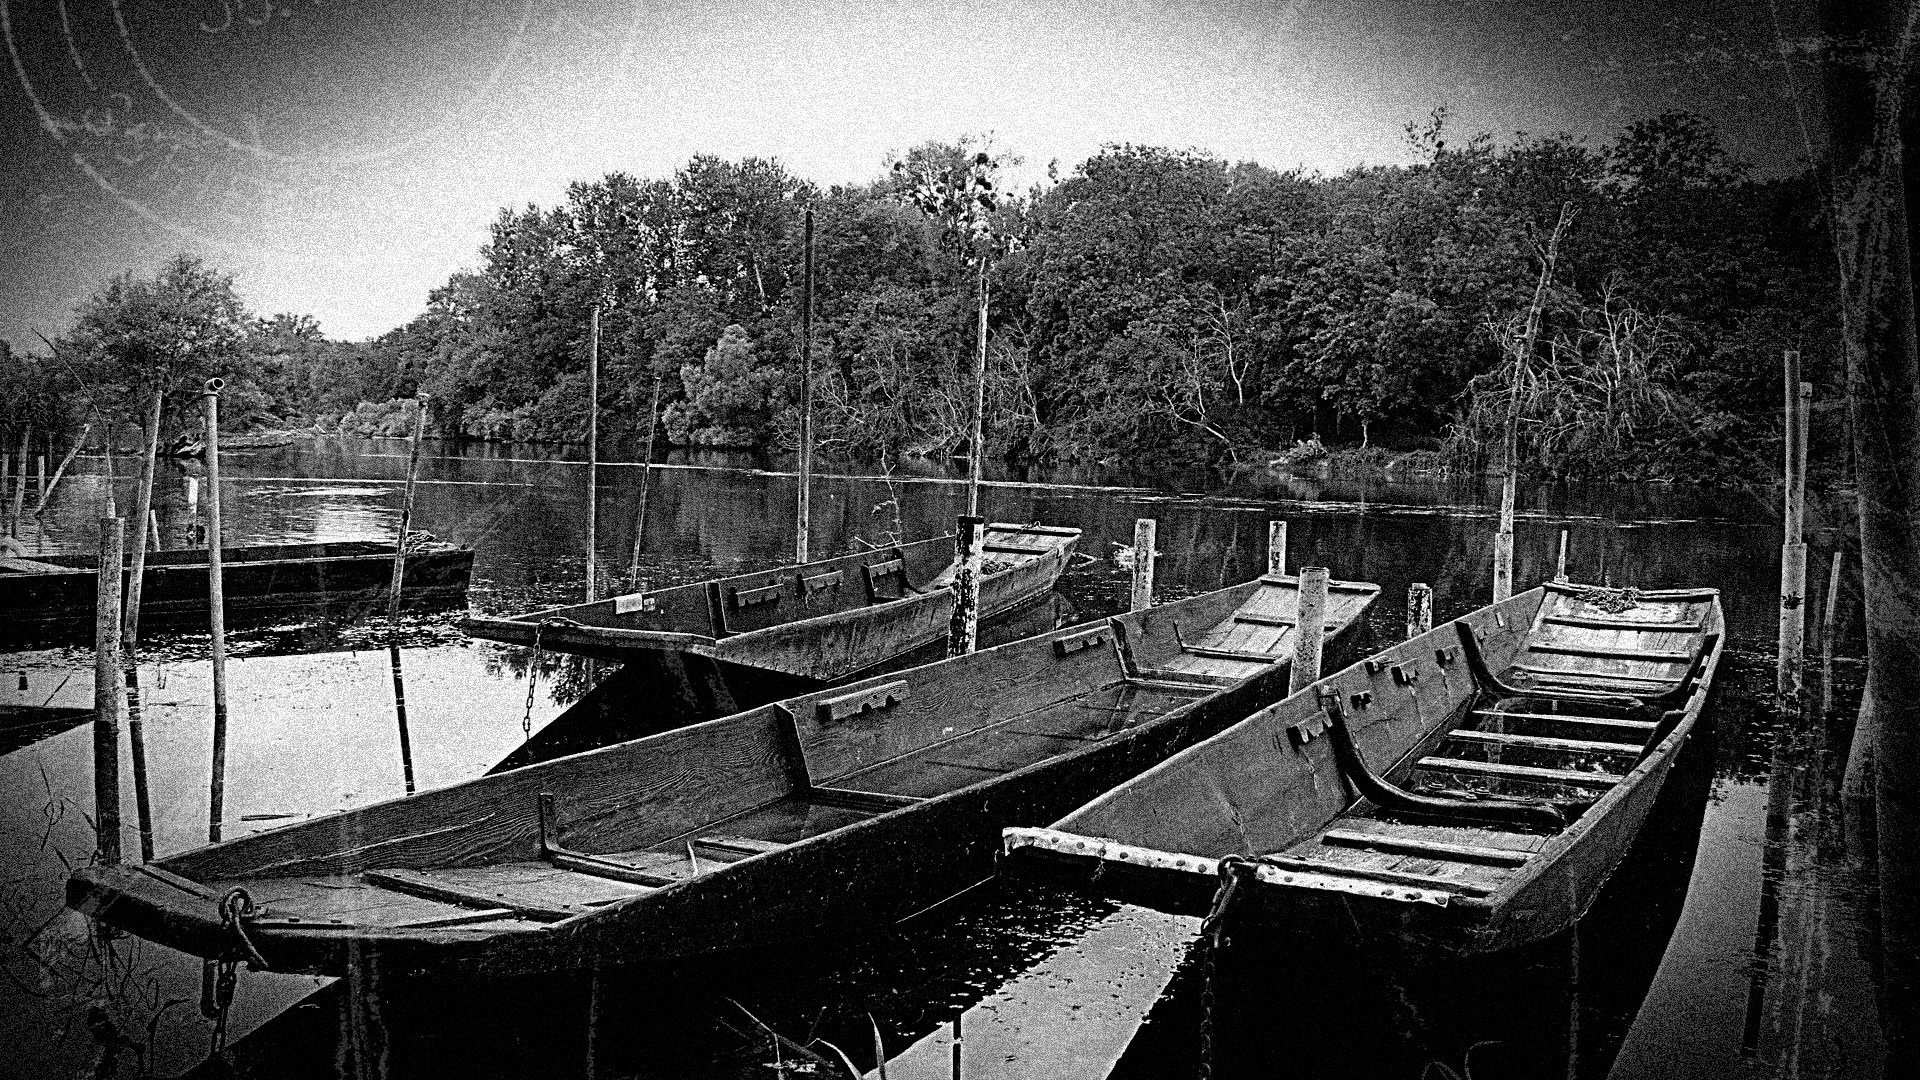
x=1141, y=598
x=803, y=506
x=109, y=699
x=963, y=632
x=1310, y=629
x=217, y=615
x=1419, y=608
x=1276, y=548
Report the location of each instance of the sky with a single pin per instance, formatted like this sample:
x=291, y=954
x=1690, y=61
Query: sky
x=341, y=159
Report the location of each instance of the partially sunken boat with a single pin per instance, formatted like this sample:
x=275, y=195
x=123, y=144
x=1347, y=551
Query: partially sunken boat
x=50, y=598
x=826, y=620
x=846, y=808
x=1470, y=789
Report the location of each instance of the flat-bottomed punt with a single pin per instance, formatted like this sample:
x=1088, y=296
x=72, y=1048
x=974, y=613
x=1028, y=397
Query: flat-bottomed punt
x=50, y=599
x=827, y=620
x=832, y=811
x=1470, y=789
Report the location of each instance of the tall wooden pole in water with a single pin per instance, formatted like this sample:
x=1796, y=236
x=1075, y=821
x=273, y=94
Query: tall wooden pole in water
x=394, y=588
x=1503, y=536
x=965, y=629
x=1829, y=625
x=646, y=481
x=1560, y=564
x=130, y=630
x=109, y=699
x=1309, y=629
x=61, y=470
x=20, y=481
x=1276, y=548
x=804, y=504
x=593, y=456
x=1793, y=548
x=217, y=615
x=1140, y=598
x=1510, y=439
x=963, y=632
x=975, y=451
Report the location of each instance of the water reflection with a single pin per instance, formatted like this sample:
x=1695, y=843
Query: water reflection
x=1678, y=972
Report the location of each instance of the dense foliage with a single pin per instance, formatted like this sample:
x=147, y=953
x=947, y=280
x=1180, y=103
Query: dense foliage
x=1153, y=303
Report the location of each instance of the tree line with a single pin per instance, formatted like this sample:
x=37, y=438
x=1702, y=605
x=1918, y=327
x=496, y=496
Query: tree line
x=1153, y=303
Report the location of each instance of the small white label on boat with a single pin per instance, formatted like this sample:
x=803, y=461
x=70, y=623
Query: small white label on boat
x=633, y=602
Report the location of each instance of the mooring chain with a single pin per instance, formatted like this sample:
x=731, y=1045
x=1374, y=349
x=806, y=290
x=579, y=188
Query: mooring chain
x=219, y=976
x=533, y=677
x=1212, y=937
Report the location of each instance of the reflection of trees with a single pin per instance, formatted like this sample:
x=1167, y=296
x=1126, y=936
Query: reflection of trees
x=566, y=676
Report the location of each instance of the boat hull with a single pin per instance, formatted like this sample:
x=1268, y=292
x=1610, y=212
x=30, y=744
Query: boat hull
x=56, y=605
x=842, y=642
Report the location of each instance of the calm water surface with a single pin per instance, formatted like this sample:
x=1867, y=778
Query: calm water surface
x=1727, y=945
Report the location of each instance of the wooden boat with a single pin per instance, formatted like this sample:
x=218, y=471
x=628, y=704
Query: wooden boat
x=848, y=807
x=1471, y=788
x=826, y=620
x=50, y=598
x=26, y=724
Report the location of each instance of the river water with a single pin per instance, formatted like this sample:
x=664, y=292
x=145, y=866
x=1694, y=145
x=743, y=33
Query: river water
x=1730, y=943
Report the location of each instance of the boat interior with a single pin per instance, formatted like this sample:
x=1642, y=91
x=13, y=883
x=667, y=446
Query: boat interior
x=1460, y=804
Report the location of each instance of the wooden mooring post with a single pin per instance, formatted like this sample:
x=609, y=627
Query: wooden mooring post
x=394, y=591
x=1503, y=536
x=109, y=692
x=593, y=456
x=1309, y=629
x=130, y=623
x=1419, y=608
x=804, y=501
x=1141, y=597
x=963, y=632
x=1276, y=548
x=217, y=616
x=1560, y=563
x=1793, y=548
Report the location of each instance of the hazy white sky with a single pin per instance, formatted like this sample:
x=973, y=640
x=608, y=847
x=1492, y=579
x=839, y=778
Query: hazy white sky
x=344, y=158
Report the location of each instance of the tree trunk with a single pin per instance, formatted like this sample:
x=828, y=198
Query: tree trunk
x=1867, y=69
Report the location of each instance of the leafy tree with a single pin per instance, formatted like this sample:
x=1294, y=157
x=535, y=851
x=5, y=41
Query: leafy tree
x=169, y=332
